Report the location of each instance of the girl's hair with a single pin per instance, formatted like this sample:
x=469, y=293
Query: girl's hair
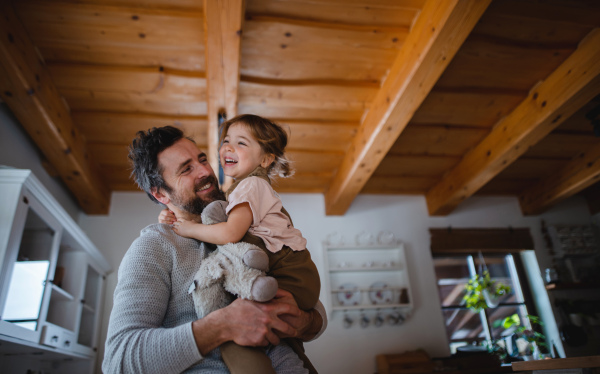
x=271, y=137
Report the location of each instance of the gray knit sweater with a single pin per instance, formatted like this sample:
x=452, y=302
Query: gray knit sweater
x=150, y=327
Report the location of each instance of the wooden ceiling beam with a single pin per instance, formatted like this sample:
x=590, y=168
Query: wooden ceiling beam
x=27, y=88
x=575, y=82
x=372, y=13
x=580, y=173
x=78, y=10
x=438, y=33
x=328, y=24
x=223, y=30
x=592, y=195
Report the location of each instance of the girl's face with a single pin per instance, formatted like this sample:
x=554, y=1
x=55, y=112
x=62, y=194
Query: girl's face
x=240, y=153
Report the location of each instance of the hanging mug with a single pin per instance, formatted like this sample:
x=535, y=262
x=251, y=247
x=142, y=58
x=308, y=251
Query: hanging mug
x=396, y=318
x=347, y=321
x=379, y=319
x=364, y=321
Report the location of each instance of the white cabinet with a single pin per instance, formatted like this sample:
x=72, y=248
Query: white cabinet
x=51, y=282
x=368, y=278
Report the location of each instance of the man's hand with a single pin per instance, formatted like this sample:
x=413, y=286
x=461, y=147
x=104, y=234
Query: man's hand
x=256, y=325
x=304, y=325
x=244, y=322
x=250, y=323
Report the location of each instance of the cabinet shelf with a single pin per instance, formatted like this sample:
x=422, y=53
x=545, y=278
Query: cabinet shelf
x=58, y=294
x=88, y=309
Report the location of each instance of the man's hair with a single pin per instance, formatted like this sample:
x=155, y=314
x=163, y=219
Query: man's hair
x=143, y=156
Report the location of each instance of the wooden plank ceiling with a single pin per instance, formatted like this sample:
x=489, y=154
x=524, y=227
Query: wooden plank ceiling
x=443, y=99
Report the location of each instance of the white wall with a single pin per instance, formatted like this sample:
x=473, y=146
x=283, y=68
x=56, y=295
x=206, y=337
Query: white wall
x=18, y=151
x=353, y=350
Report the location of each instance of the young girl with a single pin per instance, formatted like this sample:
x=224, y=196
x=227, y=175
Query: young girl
x=251, y=152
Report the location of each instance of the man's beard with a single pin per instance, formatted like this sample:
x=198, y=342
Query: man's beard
x=196, y=204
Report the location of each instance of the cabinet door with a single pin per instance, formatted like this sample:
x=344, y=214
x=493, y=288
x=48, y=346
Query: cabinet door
x=28, y=269
x=91, y=304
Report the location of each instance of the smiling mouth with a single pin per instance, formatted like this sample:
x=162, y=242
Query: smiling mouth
x=230, y=161
x=204, y=188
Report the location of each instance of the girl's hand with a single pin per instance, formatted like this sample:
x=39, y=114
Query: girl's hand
x=184, y=227
x=166, y=216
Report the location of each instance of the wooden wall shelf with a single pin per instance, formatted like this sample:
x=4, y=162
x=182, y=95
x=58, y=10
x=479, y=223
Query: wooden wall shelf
x=572, y=286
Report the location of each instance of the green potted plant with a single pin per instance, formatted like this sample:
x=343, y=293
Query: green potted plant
x=483, y=292
x=536, y=340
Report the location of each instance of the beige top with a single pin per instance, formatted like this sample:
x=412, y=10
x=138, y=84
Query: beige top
x=268, y=222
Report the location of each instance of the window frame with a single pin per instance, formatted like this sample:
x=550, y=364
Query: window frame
x=518, y=277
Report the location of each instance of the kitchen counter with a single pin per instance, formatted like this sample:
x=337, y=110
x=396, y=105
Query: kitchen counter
x=558, y=363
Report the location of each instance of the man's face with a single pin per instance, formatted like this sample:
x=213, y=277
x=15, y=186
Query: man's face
x=187, y=172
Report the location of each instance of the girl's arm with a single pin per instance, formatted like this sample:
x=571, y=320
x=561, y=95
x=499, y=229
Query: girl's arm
x=232, y=231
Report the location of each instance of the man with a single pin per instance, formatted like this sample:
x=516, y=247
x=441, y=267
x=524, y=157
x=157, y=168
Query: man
x=153, y=327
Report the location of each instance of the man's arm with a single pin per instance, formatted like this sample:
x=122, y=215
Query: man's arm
x=137, y=341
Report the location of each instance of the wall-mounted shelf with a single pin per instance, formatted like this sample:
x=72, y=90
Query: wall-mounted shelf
x=367, y=278
x=575, y=240
x=372, y=307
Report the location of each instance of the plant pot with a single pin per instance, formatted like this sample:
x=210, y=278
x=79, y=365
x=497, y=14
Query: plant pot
x=510, y=343
x=534, y=357
x=491, y=300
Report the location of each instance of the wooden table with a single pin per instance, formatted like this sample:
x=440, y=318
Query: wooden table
x=558, y=363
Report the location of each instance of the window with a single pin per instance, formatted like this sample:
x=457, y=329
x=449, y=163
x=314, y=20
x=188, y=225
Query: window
x=28, y=278
x=462, y=325
x=458, y=254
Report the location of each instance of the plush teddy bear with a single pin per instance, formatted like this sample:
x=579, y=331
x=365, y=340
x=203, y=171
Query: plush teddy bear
x=238, y=268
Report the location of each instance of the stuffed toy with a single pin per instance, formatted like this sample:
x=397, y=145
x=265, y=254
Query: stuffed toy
x=238, y=268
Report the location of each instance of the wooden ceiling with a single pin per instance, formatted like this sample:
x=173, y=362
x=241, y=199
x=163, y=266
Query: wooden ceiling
x=447, y=99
